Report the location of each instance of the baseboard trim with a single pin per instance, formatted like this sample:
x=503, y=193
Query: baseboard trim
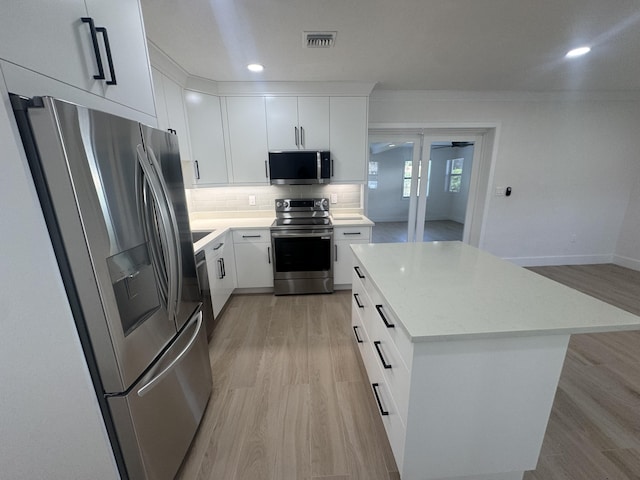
x=560, y=260
x=627, y=262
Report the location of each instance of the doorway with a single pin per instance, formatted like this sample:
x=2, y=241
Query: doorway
x=426, y=186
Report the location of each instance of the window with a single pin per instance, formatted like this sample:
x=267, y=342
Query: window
x=453, y=177
x=406, y=186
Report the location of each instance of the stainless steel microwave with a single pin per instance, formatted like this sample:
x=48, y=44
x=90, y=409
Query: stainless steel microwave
x=299, y=167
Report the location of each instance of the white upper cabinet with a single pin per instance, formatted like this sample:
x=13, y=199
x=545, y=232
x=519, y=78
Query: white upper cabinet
x=298, y=123
x=348, y=138
x=207, y=140
x=247, y=129
x=174, y=95
x=161, y=104
x=51, y=38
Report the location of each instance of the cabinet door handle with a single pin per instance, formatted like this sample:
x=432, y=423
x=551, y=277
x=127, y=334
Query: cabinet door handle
x=335, y=247
x=112, y=70
x=224, y=270
x=96, y=48
x=251, y=236
x=384, y=362
x=269, y=255
x=357, y=299
x=355, y=332
x=375, y=392
x=266, y=169
x=218, y=246
x=384, y=319
x=171, y=130
x=332, y=169
x=295, y=129
x=357, y=269
x=220, y=275
x=352, y=233
x=195, y=163
x=302, y=137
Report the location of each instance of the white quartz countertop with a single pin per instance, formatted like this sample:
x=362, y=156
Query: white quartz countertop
x=449, y=290
x=219, y=226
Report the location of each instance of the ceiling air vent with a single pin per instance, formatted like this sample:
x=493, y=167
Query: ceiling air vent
x=319, y=39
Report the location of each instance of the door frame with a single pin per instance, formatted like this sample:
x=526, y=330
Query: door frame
x=485, y=153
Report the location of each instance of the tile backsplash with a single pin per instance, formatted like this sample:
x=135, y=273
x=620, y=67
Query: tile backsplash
x=229, y=201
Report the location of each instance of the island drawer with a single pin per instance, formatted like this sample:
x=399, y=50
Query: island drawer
x=384, y=404
x=359, y=275
x=382, y=317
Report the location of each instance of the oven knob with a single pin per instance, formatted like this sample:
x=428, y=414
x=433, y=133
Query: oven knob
x=278, y=204
x=325, y=203
x=286, y=204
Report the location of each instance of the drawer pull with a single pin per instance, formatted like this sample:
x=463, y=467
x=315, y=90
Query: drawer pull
x=357, y=299
x=251, y=236
x=355, y=332
x=384, y=362
x=352, y=233
x=357, y=269
x=375, y=392
x=384, y=319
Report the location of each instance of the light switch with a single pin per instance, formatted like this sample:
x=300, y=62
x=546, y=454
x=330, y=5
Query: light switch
x=334, y=198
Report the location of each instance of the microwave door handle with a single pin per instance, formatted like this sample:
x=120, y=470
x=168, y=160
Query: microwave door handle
x=318, y=166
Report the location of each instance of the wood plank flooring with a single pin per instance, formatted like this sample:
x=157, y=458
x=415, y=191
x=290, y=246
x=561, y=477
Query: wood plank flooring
x=291, y=398
x=434, y=230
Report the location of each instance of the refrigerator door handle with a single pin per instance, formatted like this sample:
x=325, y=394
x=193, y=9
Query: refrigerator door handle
x=155, y=380
x=156, y=189
x=177, y=275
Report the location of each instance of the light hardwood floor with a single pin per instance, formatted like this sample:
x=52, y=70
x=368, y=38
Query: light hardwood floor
x=291, y=398
x=434, y=230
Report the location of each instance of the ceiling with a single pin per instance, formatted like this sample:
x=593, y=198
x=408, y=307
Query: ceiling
x=477, y=45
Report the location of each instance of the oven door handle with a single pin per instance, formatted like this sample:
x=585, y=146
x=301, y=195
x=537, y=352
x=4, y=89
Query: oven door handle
x=298, y=233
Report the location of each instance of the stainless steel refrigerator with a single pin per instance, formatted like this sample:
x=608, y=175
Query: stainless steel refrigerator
x=112, y=195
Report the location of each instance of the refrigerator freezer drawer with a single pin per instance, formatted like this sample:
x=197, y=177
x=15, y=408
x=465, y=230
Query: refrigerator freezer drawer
x=157, y=420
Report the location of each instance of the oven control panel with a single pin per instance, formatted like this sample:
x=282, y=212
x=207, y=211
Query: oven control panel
x=290, y=205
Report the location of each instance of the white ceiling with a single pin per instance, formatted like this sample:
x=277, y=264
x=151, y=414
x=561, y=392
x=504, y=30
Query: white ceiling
x=486, y=45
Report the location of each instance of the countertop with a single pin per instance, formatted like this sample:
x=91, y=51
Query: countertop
x=449, y=290
x=220, y=226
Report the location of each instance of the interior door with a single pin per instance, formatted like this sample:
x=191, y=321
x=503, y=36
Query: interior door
x=392, y=186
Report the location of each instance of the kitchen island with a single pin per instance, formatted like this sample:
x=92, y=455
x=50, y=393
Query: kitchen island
x=464, y=352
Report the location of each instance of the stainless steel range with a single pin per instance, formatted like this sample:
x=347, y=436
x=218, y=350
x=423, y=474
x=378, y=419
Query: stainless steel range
x=302, y=243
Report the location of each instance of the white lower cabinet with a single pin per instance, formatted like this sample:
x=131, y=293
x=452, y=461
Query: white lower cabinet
x=253, y=254
x=221, y=269
x=343, y=257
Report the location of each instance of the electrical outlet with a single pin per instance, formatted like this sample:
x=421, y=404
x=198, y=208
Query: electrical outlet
x=334, y=198
x=252, y=200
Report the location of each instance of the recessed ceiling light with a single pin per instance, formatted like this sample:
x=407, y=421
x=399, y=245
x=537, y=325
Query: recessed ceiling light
x=255, y=67
x=577, y=52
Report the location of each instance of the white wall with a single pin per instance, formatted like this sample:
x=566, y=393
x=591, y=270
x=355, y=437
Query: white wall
x=570, y=162
x=51, y=426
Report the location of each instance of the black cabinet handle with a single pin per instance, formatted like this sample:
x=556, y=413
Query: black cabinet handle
x=266, y=169
x=195, y=162
x=384, y=319
x=352, y=233
x=218, y=246
x=224, y=270
x=357, y=298
x=384, y=362
x=355, y=332
x=332, y=167
x=335, y=247
x=375, y=392
x=268, y=254
x=112, y=70
x=171, y=130
x=357, y=269
x=96, y=48
x=251, y=236
x=220, y=275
